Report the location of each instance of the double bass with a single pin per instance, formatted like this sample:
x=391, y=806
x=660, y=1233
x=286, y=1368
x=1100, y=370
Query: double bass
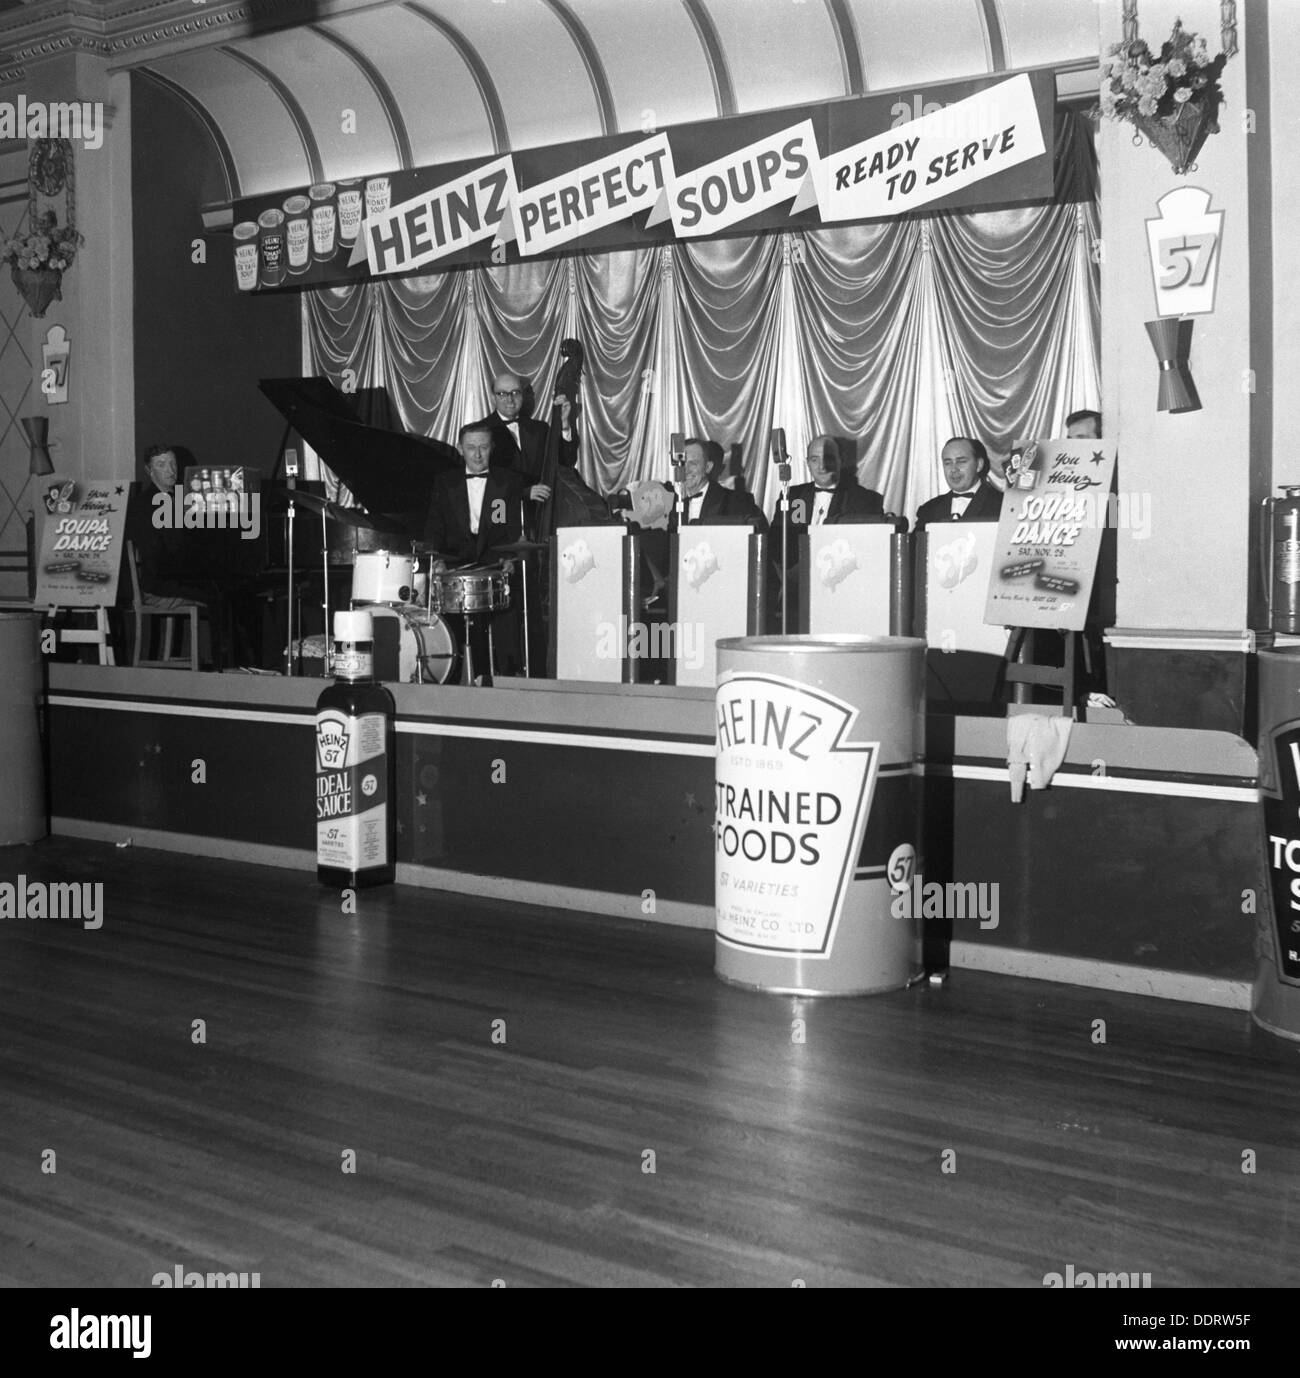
x=568, y=380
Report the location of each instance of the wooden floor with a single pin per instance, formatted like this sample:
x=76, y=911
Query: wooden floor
x=526, y=1160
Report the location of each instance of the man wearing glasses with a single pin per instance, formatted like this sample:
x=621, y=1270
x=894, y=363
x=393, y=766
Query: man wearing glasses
x=519, y=442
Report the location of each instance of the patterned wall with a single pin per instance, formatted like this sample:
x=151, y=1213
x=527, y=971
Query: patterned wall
x=16, y=396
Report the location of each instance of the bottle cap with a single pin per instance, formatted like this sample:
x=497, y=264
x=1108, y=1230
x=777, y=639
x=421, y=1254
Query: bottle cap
x=354, y=626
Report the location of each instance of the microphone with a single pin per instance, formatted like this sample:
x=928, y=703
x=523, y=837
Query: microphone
x=776, y=443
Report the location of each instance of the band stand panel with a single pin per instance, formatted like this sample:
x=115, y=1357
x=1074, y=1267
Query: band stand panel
x=957, y=558
x=591, y=625
x=711, y=577
x=848, y=574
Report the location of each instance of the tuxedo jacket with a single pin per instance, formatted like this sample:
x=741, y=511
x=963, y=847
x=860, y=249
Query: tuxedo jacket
x=447, y=529
x=850, y=502
x=526, y=457
x=984, y=506
x=727, y=506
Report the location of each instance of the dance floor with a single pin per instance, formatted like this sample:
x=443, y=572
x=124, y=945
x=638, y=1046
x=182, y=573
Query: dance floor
x=235, y=1075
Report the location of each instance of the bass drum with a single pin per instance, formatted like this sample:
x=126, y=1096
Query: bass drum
x=426, y=649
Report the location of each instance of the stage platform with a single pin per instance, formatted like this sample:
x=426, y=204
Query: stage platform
x=1130, y=873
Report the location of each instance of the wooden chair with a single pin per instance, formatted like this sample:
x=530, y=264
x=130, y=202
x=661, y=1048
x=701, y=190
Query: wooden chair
x=144, y=612
x=99, y=634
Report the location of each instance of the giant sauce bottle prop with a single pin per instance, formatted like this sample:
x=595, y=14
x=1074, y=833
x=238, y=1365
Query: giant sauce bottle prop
x=356, y=823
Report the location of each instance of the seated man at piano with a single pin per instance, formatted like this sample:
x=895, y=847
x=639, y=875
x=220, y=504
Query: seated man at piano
x=178, y=565
x=473, y=513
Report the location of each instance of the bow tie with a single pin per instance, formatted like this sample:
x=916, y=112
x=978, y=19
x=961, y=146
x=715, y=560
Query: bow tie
x=476, y=478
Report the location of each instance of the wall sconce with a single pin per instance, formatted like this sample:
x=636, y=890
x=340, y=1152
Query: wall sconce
x=38, y=429
x=1171, y=339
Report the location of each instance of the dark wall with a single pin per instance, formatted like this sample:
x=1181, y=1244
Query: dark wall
x=200, y=345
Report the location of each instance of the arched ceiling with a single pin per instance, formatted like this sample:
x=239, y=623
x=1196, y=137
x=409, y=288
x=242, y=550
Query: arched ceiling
x=297, y=91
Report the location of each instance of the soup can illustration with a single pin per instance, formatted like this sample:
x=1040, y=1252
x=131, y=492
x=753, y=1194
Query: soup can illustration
x=270, y=230
x=349, y=212
x=246, y=255
x=297, y=233
x=378, y=194
x=324, y=221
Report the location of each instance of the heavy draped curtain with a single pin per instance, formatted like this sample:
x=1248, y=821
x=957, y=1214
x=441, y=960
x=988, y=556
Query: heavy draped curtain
x=891, y=336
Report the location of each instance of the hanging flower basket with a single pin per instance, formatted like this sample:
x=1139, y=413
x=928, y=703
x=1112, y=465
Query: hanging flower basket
x=39, y=286
x=1171, y=97
x=1180, y=137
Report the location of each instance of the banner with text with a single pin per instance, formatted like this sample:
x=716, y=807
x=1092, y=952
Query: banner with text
x=961, y=145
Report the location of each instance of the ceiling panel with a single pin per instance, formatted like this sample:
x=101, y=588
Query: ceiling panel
x=779, y=54
x=1038, y=34
x=657, y=71
x=326, y=83
x=906, y=42
x=441, y=104
x=538, y=72
x=264, y=142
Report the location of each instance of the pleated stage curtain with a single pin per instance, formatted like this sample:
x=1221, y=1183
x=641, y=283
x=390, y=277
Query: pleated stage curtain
x=891, y=336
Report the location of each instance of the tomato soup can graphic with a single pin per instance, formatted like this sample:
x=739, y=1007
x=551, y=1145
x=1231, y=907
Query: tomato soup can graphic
x=817, y=812
x=324, y=221
x=1275, y=1000
x=297, y=233
x=246, y=255
x=349, y=203
x=270, y=233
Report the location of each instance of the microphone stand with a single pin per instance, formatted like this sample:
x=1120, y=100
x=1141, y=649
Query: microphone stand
x=288, y=651
x=523, y=594
x=325, y=578
x=783, y=474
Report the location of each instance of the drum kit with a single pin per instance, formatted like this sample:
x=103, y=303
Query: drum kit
x=408, y=586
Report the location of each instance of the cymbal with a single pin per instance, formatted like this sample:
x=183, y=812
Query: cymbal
x=519, y=547
x=345, y=516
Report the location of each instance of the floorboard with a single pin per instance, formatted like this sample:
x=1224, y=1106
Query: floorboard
x=773, y=1159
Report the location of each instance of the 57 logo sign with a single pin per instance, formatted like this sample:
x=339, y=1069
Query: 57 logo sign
x=1184, y=245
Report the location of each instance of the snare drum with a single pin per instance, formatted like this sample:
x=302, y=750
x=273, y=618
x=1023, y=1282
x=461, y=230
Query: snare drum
x=470, y=590
x=426, y=647
x=383, y=576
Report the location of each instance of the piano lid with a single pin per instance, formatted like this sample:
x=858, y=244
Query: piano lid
x=389, y=472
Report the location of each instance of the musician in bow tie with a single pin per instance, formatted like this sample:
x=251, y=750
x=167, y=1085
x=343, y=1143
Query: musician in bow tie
x=518, y=441
x=478, y=508
x=471, y=513
x=970, y=496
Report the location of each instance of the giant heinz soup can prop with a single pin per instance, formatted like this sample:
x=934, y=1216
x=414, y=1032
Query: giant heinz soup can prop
x=817, y=812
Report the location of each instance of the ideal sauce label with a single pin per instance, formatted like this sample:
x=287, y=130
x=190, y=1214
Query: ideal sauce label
x=351, y=790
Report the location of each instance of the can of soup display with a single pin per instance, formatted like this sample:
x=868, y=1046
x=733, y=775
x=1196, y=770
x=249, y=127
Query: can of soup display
x=270, y=234
x=246, y=255
x=297, y=233
x=820, y=742
x=324, y=221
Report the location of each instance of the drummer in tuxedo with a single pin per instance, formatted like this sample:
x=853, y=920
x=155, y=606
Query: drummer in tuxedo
x=471, y=513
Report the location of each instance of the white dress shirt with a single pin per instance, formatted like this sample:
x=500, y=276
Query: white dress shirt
x=821, y=505
x=476, y=486
x=961, y=501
